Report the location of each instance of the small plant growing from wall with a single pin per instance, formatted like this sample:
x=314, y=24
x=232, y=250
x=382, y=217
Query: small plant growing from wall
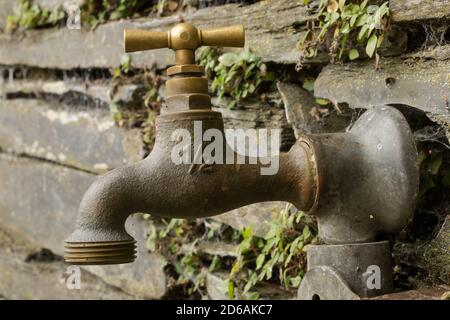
x=95, y=12
x=278, y=257
x=31, y=16
x=346, y=29
x=239, y=75
x=280, y=253
x=176, y=240
x=145, y=102
x=430, y=159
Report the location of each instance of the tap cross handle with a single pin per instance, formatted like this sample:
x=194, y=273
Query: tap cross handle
x=184, y=38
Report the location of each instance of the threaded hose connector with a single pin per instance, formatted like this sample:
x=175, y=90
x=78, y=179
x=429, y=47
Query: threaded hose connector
x=100, y=253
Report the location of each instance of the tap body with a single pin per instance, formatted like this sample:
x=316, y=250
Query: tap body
x=158, y=186
x=359, y=184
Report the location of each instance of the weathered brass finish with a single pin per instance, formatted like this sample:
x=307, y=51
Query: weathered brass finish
x=139, y=40
x=112, y=252
x=184, y=38
x=179, y=102
x=187, y=69
x=186, y=85
x=188, y=90
x=223, y=37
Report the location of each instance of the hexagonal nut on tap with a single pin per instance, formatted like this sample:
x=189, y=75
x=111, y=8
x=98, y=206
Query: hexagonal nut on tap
x=182, y=102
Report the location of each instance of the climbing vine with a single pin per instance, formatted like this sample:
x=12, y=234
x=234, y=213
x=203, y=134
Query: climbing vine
x=345, y=29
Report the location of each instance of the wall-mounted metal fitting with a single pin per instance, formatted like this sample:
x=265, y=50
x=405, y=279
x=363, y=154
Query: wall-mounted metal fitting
x=347, y=271
x=359, y=184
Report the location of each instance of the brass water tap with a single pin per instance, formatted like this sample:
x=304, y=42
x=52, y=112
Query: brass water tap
x=359, y=184
x=157, y=185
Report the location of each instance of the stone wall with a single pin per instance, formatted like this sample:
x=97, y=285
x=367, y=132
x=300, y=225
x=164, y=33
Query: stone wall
x=57, y=133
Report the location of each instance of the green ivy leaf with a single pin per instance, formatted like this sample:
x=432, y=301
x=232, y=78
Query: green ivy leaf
x=306, y=233
x=345, y=28
x=353, y=54
x=260, y=260
x=354, y=8
x=371, y=45
x=300, y=215
x=380, y=40
x=247, y=232
x=253, y=295
x=362, y=32
x=295, y=282
x=362, y=20
x=215, y=263
x=364, y=4
x=308, y=85
x=435, y=164
x=231, y=289
x=236, y=267
x=228, y=59
x=353, y=20
x=426, y=184
x=383, y=10
x=421, y=157
x=322, y=102
x=117, y=72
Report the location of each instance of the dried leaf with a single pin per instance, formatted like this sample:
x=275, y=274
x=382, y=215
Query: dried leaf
x=332, y=6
